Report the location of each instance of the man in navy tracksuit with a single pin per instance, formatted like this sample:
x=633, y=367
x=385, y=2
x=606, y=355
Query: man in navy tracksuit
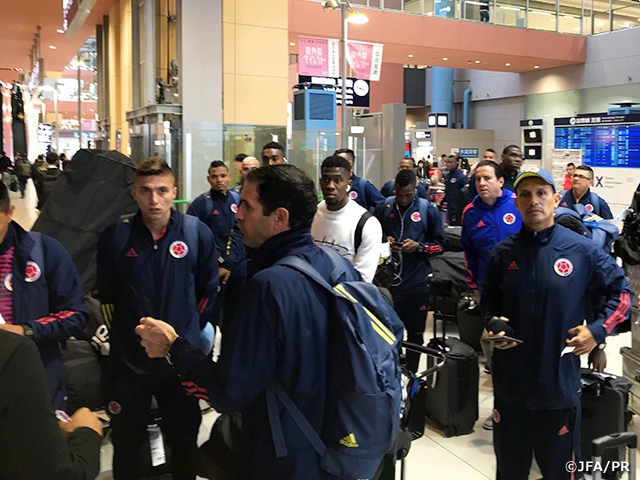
x=389, y=190
x=414, y=229
x=454, y=181
x=217, y=209
x=280, y=333
x=362, y=191
x=580, y=192
x=162, y=263
x=40, y=294
x=538, y=281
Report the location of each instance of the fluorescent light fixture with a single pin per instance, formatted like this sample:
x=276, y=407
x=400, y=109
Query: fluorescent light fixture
x=445, y=59
x=507, y=64
x=474, y=3
x=570, y=17
x=60, y=30
x=540, y=13
x=477, y=61
x=292, y=44
x=536, y=66
x=410, y=56
x=357, y=128
x=577, y=29
x=53, y=47
x=514, y=9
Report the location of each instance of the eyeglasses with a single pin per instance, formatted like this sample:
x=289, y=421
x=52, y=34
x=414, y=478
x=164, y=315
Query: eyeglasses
x=581, y=177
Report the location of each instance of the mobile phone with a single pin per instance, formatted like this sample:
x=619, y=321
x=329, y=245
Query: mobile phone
x=62, y=416
x=504, y=338
x=397, y=244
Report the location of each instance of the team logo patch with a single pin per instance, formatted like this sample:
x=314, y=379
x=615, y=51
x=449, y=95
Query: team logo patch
x=415, y=216
x=178, y=249
x=8, y=282
x=234, y=208
x=509, y=218
x=454, y=180
x=496, y=416
x=353, y=195
x=563, y=267
x=532, y=169
x=589, y=208
x=32, y=272
x=114, y=408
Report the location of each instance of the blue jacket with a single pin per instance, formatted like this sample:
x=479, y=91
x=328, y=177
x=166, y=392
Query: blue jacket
x=150, y=278
x=454, y=181
x=389, y=190
x=412, y=268
x=52, y=304
x=280, y=332
x=540, y=281
x=218, y=211
x=508, y=185
x=482, y=228
x=592, y=201
x=364, y=193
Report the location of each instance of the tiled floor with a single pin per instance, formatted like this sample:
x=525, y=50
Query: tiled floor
x=468, y=457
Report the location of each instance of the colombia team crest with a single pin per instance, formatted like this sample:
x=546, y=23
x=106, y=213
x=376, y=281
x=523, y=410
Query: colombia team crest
x=178, y=249
x=234, y=208
x=32, y=272
x=563, y=267
x=8, y=282
x=509, y=218
x=415, y=216
x=589, y=208
x=353, y=195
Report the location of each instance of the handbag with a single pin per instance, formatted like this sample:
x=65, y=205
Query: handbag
x=14, y=186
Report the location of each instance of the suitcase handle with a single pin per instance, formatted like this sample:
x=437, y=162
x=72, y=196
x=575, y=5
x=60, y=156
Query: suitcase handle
x=599, y=445
x=427, y=351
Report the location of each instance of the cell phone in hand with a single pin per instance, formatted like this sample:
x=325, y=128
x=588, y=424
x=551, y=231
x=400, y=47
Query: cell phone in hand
x=504, y=338
x=397, y=244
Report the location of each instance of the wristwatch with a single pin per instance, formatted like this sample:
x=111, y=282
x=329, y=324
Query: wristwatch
x=28, y=331
x=602, y=346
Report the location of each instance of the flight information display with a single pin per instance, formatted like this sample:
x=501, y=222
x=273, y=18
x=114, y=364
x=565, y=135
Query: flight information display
x=603, y=145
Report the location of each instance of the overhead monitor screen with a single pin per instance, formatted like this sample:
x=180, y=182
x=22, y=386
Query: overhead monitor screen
x=603, y=145
x=533, y=135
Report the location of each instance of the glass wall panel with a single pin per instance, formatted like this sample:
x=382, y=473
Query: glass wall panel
x=542, y=16
x=413, y=6
x=625, y=14
x=510, y=14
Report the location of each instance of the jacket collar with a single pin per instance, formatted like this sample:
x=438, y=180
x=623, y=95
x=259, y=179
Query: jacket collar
x=501, y=200
x=543, y=236
x=215, y=194
x=137, y=219
x=293, y=241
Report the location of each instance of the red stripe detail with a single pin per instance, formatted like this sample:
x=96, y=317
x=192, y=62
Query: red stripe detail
x=465, y=211
x=61, y=315
x=202, y=305
x=470, y=279
x=432, y=249
x=617, y=317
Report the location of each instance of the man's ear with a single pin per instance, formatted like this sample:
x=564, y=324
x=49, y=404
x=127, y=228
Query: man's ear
x=280, y=217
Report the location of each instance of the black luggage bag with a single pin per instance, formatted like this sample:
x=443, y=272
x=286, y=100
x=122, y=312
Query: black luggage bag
x=446, y=284
x=604, y=411
x=470, y=321
x=452, y=401
x=83, y=370
x=452, y=239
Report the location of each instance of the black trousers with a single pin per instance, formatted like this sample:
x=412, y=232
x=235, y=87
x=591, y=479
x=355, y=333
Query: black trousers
x=130, y=415
x=550, y=435
x=412, y=308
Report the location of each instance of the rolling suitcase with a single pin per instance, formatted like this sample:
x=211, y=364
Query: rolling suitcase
x=452, y=400
x=470, y=321
x=615, y=441
x=604, y=411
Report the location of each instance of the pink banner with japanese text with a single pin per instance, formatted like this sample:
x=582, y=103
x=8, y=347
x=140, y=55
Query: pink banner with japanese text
x=365, y=59
x=317, y=57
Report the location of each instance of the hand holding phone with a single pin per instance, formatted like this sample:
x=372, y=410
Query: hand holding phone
x=503, y=338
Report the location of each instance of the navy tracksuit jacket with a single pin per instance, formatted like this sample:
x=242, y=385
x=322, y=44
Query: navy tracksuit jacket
x=364, y=193
x=48, y=298
x=592, y=201
x=454, y=181
x=280, y=332
x=483, y=226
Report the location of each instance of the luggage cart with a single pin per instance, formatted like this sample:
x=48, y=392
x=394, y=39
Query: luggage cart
x=413, y=420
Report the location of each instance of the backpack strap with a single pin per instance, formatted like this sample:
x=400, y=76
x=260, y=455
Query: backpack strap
x=358, y=236
x=37, y=252
x=423, y=208
x=190, y=226
x=594, y=199
x=121, y=234
x=235, y=196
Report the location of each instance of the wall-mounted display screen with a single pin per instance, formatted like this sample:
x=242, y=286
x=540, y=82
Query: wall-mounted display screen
x=533, y=135
x=603, y=145
x=532, y=152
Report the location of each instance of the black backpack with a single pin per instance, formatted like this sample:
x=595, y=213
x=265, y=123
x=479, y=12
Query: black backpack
x=627, y=246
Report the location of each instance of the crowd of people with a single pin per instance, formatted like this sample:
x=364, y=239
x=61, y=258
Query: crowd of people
x=166, y=280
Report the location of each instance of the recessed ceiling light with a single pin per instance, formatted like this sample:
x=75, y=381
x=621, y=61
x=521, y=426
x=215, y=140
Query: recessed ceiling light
x=507, y=64
x=53, y=47
x=60, y=31
x=536, y=66
x=292, y=44
x=445, y=59
x=410, y=56
x=477, y=61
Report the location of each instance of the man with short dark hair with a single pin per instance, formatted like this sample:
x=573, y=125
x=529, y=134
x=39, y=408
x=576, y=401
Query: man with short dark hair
x=362, y=191
x=580, y=193
x=273, y=154
x=281, y=332
x=41, y=295
x=406, y=163
x=414, y=229
x=511, y=163
x=336, y=222
x=537, y=281
x=48, y=179
x=157, y=262
x=571, y=168
x=454, y=181
x=489, y=154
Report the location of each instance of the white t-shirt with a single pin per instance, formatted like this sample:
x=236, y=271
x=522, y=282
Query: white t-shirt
x=338, y=230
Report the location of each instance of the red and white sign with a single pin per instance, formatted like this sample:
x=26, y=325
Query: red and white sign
x=32, y=272
x=415, y=216
x=318, y=57
x=365, y=59
x=563, y=267
x=178, y=249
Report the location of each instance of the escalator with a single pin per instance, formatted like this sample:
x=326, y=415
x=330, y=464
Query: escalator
x=18, y=126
